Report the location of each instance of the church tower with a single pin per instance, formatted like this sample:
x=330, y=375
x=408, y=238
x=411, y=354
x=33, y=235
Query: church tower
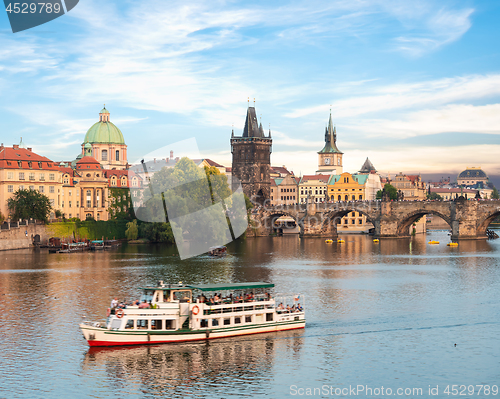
x=330, y=158
x=252, y=159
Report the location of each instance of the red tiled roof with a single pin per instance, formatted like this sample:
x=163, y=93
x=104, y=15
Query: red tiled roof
x=323, y=178
x=22, y=158
x=213, y=163
x=280, y=169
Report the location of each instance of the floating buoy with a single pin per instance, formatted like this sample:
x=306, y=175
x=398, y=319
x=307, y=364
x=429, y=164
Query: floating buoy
x=452, y=244
x=328, y=241
x=433, y=242
x=376, y=240
x=340, y=241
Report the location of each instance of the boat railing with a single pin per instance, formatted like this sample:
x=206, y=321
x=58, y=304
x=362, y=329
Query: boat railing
x=237, y=307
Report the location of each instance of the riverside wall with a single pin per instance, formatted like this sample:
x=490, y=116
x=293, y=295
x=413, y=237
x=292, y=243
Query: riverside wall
x=16, y=236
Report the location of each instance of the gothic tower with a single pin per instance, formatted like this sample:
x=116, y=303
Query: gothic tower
x=330, y=158
x=252, y=159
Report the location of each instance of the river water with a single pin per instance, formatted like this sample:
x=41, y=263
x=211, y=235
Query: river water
x=380, y=316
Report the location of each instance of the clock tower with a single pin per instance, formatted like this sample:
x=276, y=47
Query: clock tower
x=330, y=158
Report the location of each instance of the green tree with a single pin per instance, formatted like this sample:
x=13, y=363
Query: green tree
x=26, y=204
x=157, y=232
x=393, y=192
x=434, y=196
x=494, y=194
x=132, y=231
x=2, y=218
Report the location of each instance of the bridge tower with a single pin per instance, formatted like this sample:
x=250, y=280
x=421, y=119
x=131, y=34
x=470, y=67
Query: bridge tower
x=330, y=158
x=252, y=159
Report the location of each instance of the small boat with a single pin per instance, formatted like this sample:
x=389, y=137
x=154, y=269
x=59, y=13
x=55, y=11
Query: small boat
x=329, y=241
x=433, y=242
x=340, y=241
x=172, y=313
x=97, y=245
x=452, y=244
x=220, y=250
x=376, y=240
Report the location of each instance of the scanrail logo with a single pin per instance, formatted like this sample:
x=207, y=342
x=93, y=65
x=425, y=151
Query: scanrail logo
x=201, y=208
x=28, y=14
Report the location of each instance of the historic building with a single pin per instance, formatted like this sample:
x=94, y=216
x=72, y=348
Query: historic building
x=330, y=158
x=471, y=176
x=107, y=143
x=251, y=162
x=313, y=188
x=412, y=186
x=284, y=190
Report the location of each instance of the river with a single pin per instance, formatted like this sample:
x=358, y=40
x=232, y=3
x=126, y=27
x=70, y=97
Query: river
x=396, y=315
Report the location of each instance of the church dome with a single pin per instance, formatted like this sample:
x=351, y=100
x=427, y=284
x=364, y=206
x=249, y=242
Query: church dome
x=104, y=131
x=472, y=173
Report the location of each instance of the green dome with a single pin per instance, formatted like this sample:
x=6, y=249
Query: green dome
x=104, y=132
x=104, y=111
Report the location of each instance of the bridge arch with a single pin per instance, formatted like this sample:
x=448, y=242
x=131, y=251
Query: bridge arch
x=270, y=219
x=483, y=224
x=333, y=218
x=412, y=217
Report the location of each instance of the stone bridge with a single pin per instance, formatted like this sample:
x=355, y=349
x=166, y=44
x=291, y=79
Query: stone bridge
x=468, y=219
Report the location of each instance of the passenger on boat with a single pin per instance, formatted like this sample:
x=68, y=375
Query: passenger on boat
x=144, y=305
x=216, y=299
x=114, y=303
x=280, y=307
x=136, y=302
x=299, y=308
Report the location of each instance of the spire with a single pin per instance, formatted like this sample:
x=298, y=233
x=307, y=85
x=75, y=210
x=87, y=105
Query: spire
x=269, y=131
x=261, y=130
x=367, y=167
x=251, y=125
x=330, y=138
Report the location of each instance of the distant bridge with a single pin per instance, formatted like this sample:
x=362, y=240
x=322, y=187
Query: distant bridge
x=468, y=219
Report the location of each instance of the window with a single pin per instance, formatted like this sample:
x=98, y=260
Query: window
x=77, y=204
x=113, y=181
x=130, y=323
x=227, y=322
x=353, y=221
x=41, y=189
x=134, y=182
x=10, y=175
x=104, y=155
x=32, y=188
x=70, y=193
x=142, y=324
x=203, y=323
x=32, y=176
x=269, y=317
x=69, y=203
x=156, y=324
x=21, y=175
x=62, y=204
x=215, y=322
x=42, y=177
x=248, y=319
x=52, y=176
x=360, y=197
x=10, y=188
x=360, y=221
x=237, y=320
x=52, y=203
x=117, y=155
x=21, y=187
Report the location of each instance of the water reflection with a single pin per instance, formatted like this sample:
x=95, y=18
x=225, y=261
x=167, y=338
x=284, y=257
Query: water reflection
x=245, y=363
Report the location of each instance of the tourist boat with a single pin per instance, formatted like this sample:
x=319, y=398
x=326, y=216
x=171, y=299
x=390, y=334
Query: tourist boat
x=220, y=250
x=173, y=314
x=97, y=245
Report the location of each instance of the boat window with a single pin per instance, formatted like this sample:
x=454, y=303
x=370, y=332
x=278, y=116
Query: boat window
x=227, y=322
x=204, y=323
x=147, y=296
x=237, y=320
x=248, y=319
x=169, y=325
x=142, y=324
x=166, y=296
x=247, y=308
x=130, y=324
x=156, y=324
x=269, y=317
x=182, y=296
x=215, y=322
x=115, y=324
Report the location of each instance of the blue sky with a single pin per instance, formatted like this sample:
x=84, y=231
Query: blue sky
x=414, y=87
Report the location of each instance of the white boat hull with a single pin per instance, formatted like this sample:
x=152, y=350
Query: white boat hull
x=101, y=336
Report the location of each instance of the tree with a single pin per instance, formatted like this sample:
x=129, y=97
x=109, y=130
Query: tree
x=157, y=232
x=393, y=192
x=58, y=213
x=494, y=194
x=434, y=196
x=132, y=230
x=26, y=204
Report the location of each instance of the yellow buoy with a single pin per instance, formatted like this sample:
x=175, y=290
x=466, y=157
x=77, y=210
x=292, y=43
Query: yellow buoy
x=452, y=244
x=433, y=242
x=375, y=240
x=340, y=241
x=328, y=241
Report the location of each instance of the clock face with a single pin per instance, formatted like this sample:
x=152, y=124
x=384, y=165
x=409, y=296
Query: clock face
x=327, y=161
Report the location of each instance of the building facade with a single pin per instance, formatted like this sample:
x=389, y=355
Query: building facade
x=472, y=176
x=251, y=162
x=313, y=188
x=412, y=186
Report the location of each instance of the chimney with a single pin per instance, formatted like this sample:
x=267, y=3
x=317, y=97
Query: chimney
x=171, y=155
x=30, y=149
x=154, y=160
x=1, y=147
x=15, y=146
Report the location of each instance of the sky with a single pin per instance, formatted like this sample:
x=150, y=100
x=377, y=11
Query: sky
x=414, y=86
